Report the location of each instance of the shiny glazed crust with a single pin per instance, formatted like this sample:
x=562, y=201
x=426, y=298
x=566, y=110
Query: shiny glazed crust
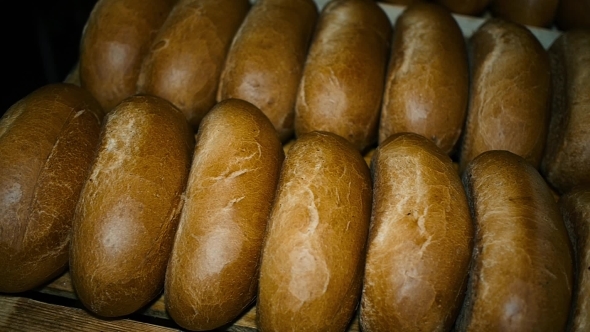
x=47, y=142
x=129, y=207
x=265, y=62
x=212, y=274
x=420, y=241
x=510, y=93
x=115, y=40
x=343, y=79
x=428, y=80
x=522, y=264
x=185, y=61
x=314, y=251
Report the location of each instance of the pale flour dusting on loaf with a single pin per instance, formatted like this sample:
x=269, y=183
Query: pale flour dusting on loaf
x=121, y=228
x=309, y=277
x=412, y=50
x=10, y=196
x=217, y=251
x=120, y=145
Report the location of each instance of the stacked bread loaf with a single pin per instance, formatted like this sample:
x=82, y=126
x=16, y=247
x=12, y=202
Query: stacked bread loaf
x=562, y=14
x=228, y=169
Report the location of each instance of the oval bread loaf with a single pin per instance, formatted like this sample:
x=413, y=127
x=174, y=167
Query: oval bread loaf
x=265, y=62
x=47, y=141
x=186, y=58
x=573, y=14
x=575, y=209
x=116, y=38
x=566, y=161
x=527, y=12
x=522, y=265
x=212, y=274
x=465, y=7
x=314, y=250
x=400, y=2
x=343, y=79
x=129, y=207
x=510, y=93
x=428, y=80
x=420, y=241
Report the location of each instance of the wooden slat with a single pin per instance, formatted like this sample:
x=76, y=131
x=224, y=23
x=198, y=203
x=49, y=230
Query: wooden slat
x=62, y=286
x=24, y=314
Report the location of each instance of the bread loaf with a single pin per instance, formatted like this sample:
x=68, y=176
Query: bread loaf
x=573, y=14
x=428, y=79
x=420, y=241
x=116, y=38
x=521, y=274
x=265, y=62
x=343, y=79
x=575, y=209
x=129, y=207
x=465, y=7
x=47, y=141
x=510, y=93
x=400, y=2
x=314, y=250
x=527, y=12
x=212, y=274
x=186, y=58
x=566, y=161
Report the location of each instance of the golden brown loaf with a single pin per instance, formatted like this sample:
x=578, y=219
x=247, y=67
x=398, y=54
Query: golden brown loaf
x=527, y=12
x=342, y=84
x=428, y=80
x=420, y=241
x=117, y=36
x=47, y=141
x=212, y=274
x=186, y=58
x=575, y=209
x=521, y=270
x=566, y=161
x=265, y=62
x=314, y=250
x=573, y=14
x=129, y=207
x=400, y=2
x=465, y=7
x=510, y=93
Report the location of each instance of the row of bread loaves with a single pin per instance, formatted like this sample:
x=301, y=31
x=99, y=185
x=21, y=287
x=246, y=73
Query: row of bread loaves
x=341, y=74
x=564, y=14
x=228, y=222
x=135, y=206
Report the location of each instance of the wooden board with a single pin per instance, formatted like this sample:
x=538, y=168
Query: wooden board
x=24, y=314
x=62, y=287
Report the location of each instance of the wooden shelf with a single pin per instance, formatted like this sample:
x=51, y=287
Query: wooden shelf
x=24, y=314
x=20, y=313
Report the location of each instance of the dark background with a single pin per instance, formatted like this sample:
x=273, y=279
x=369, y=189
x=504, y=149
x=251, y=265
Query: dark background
x=39, y=44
